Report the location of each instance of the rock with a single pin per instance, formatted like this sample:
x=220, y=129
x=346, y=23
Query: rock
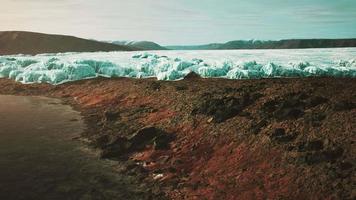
x=224, y=108
x=256, y=95
x=110, y=115
x=288, y=113
x=285, y=139
x=210, y=119
x=172, y=170
x=192, y=75
x=316, y=157
x=312, y=158
x=150, y=136
x=143, y=137
x=161, y=142
x=181, y=87
x=130, y=165
x=100, y=141
x=270, y=106
x=326, y=142
x=314, y=119
x=284, y=109
x=256, y=128
x=344, y=105
x=333, y=153
x=345, y=166
x=315, y=101
x=279, y=132
x=315, y=145
x=155, y=86
x=279, y=135
x=293, y=101
x=117, y=148
x=291, y=106
x=352, y=194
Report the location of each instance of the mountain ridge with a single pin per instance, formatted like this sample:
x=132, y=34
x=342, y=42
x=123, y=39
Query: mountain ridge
x=24, y=42
x=144, y=45
x=271, y=44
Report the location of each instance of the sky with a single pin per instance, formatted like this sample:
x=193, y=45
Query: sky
x=181, y=22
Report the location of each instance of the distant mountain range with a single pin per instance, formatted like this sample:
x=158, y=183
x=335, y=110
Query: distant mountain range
x=281, y=44
x=20, y=42
x=144, y=45
x=247, y=44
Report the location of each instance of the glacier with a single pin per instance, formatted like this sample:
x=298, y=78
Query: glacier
x=174, y=65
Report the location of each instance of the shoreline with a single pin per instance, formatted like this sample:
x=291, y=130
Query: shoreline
x=220, y=138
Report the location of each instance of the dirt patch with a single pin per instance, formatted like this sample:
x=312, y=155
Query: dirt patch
x=222, y=139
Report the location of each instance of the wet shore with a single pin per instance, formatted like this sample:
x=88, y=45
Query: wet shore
x=40, y=159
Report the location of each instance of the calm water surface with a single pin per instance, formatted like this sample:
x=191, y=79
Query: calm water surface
x=40, y=160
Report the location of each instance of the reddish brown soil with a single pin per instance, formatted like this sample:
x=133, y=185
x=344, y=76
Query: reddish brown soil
x=259, y=139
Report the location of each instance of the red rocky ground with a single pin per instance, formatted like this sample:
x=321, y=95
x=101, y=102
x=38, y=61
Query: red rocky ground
x=222, y=139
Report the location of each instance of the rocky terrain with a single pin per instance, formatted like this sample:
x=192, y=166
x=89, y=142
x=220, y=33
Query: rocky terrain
x=221, y=139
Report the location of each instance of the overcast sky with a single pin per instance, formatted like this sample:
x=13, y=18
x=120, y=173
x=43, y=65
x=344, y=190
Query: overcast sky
x=183, y=21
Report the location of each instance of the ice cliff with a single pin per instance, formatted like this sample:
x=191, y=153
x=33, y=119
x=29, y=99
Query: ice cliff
x=174, y=65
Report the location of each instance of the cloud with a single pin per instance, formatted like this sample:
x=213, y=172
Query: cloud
x=182, y=21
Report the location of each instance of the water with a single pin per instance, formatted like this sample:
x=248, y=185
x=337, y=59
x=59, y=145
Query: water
x=40, y=160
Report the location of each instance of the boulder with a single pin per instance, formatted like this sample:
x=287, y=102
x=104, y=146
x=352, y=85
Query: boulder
x=344, y=105
x=224, y=108
x=191, y=75
x=279, y=135
x=119, y=147
x=149, y=136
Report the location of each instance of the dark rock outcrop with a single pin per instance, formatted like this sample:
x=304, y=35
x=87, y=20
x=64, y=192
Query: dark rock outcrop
x=224, y=108
x=138, y=141
x=192, y=75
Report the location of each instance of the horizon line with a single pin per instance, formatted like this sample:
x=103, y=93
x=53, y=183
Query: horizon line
x=200, y=44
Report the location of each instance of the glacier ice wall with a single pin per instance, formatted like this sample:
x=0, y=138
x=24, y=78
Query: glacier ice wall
x=174, y=65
